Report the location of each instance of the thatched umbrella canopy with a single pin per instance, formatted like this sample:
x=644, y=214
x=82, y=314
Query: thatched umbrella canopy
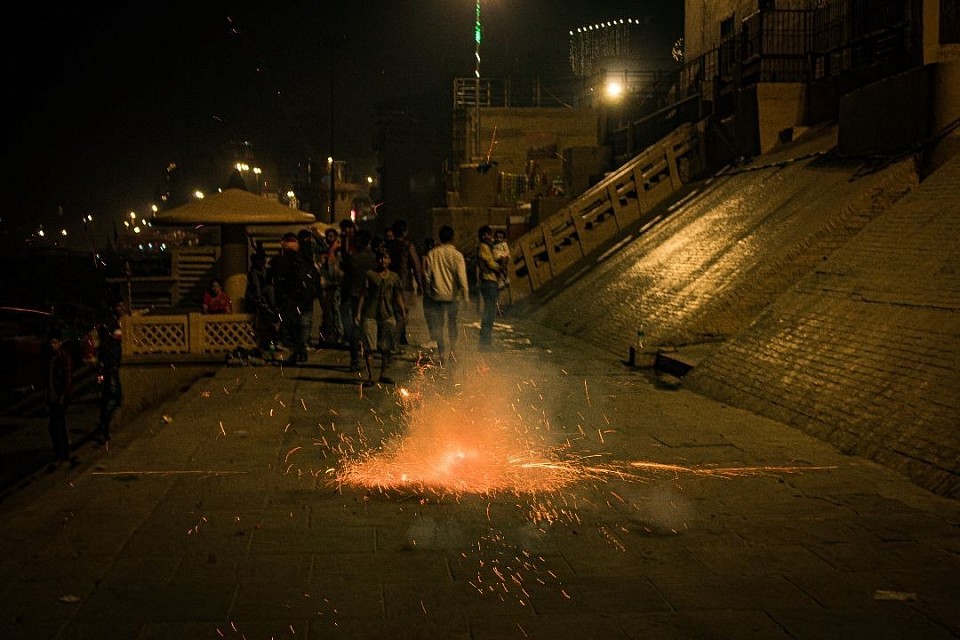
x=233, y=210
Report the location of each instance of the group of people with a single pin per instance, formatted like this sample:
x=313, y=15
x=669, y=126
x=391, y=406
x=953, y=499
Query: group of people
x=283, y=289
x=445, y=285
x=362, y=284
x=103, y=350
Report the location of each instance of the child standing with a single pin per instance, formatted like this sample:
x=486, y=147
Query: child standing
x=379, y=309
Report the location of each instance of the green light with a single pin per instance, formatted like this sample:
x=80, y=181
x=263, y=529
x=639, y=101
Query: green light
x=477, y=29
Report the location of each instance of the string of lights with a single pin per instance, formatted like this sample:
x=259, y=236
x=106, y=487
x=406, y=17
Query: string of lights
x=591, y=45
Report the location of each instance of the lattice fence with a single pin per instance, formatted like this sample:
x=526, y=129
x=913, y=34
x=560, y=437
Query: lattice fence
x=187, y=334
x=156, y=334
x=225, y=335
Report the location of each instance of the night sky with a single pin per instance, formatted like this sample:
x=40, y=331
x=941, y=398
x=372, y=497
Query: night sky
x=104, y=98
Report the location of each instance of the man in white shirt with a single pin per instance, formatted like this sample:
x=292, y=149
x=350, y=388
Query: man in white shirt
x=445, y=284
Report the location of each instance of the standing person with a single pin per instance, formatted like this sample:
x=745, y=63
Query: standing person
x=489, y=272
x=355, y=267
x=109, y=354
x=405, y=262
x=311, y=282
x=380, y=310
x=348, y=230
x=331, y=281
x=445, y=283
x=59, y=388
x=289, y=273
x=215, y=299
x=260, y=301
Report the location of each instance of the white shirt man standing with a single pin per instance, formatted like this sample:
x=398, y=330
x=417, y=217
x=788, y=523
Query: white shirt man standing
x=445, y=284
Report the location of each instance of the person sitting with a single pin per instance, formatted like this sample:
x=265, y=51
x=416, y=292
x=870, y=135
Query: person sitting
x=215, y=299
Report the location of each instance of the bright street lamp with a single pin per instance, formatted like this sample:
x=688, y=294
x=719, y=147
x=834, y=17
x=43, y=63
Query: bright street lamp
x=614, y=90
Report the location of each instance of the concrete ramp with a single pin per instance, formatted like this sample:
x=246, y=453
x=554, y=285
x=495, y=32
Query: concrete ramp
x=829, y=298
x=716, y=259
x=864, y=351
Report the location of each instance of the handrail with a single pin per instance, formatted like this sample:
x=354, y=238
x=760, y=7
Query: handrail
x=621, y=201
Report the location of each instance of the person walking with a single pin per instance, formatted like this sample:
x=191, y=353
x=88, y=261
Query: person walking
x=405, y=262
x=489, y=274
x=109, y=355
x=380, y=311
x=445, y=283
x=355, y=267
x=59, y=388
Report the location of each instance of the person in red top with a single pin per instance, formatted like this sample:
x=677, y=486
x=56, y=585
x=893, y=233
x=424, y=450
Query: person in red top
x=216, y=300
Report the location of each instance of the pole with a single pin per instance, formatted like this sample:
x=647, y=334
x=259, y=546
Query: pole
x=477, y=33
x=333, y=173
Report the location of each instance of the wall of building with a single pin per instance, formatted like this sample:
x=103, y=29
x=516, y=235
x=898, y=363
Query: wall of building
x=702, y=20
x=517, y=137
x=903, y=122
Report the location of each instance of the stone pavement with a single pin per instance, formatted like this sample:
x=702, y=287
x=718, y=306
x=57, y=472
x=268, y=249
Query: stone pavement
x=616, y=504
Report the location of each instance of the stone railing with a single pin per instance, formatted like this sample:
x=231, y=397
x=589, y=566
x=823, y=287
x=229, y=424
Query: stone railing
x=623, y=201
x=189, y=334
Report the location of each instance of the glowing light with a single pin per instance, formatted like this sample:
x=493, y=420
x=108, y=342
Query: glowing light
x=496, y=439
x=614, y=90
x=464, y=443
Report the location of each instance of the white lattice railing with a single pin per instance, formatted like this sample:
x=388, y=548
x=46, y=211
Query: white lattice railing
x=187, y=334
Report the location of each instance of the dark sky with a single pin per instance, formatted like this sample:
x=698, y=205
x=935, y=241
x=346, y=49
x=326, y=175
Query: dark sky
x=104, y=97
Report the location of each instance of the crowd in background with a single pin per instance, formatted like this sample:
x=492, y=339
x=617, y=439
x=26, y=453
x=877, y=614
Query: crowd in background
x=362, y=285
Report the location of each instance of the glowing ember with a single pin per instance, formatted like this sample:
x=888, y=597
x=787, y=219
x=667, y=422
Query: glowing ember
x=462, y=442
x=490, y=438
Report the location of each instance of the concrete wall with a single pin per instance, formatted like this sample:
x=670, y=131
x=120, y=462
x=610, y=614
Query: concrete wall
x=769, y=114
x=903, y=122
x=946, y=110
x=522, y=135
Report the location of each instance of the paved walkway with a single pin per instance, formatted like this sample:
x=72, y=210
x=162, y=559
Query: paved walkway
x=614, y=504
